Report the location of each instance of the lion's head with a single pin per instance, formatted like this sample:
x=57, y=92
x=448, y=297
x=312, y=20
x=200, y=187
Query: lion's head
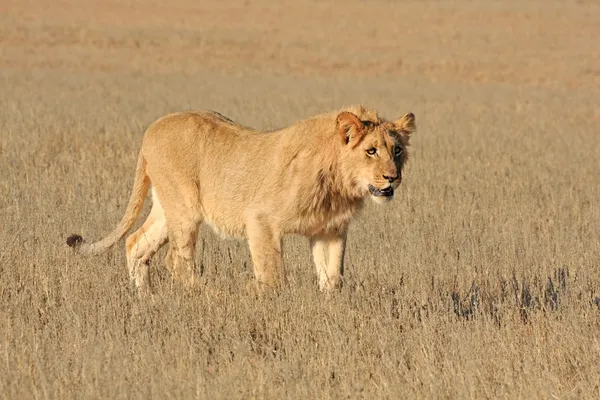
x=374, y=152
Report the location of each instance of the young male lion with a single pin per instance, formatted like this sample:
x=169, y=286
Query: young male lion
x=309, y=178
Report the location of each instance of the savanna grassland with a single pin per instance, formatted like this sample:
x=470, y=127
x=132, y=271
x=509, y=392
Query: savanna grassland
x=481, y=279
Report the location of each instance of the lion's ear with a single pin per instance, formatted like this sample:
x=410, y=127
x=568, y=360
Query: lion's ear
x=349, y=126
x=406, y=124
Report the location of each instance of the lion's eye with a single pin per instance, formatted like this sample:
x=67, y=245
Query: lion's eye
x=398, y=150
x=372, y=151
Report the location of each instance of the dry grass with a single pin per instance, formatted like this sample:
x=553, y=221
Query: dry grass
x=481, y=280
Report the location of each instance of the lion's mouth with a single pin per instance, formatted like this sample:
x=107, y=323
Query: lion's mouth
x=387, y=192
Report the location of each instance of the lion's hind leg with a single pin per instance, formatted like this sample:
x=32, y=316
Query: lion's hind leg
x=183, y=235
x=144, y=243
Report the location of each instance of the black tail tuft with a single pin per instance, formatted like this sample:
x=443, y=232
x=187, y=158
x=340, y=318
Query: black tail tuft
x=74, y=240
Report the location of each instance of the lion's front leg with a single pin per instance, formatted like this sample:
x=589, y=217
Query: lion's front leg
x=328, y=255
x=265, y=248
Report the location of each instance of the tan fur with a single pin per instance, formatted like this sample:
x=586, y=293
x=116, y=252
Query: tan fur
x=309, y=178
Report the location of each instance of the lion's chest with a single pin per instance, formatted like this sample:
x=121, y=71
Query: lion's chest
x=331, y=215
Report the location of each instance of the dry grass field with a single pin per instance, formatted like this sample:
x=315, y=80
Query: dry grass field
x=481, y=280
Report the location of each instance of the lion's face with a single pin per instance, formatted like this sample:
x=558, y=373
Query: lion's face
x=375, y=152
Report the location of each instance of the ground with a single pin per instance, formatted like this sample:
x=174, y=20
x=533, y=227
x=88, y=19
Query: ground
x=481, y=279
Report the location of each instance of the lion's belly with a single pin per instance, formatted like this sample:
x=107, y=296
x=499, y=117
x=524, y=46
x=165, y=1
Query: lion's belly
x=226, y=225
x=225, y=232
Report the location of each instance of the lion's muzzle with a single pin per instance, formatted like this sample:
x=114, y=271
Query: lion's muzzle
x=385, y=192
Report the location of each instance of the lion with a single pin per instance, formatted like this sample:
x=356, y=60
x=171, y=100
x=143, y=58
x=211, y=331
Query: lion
x=310, y=178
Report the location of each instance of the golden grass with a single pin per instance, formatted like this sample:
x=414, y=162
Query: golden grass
x=481, y=280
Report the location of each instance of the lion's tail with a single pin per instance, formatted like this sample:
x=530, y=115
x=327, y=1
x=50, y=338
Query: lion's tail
x=141, y=185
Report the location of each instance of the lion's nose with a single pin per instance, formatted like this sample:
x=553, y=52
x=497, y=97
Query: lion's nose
x=390, y=178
